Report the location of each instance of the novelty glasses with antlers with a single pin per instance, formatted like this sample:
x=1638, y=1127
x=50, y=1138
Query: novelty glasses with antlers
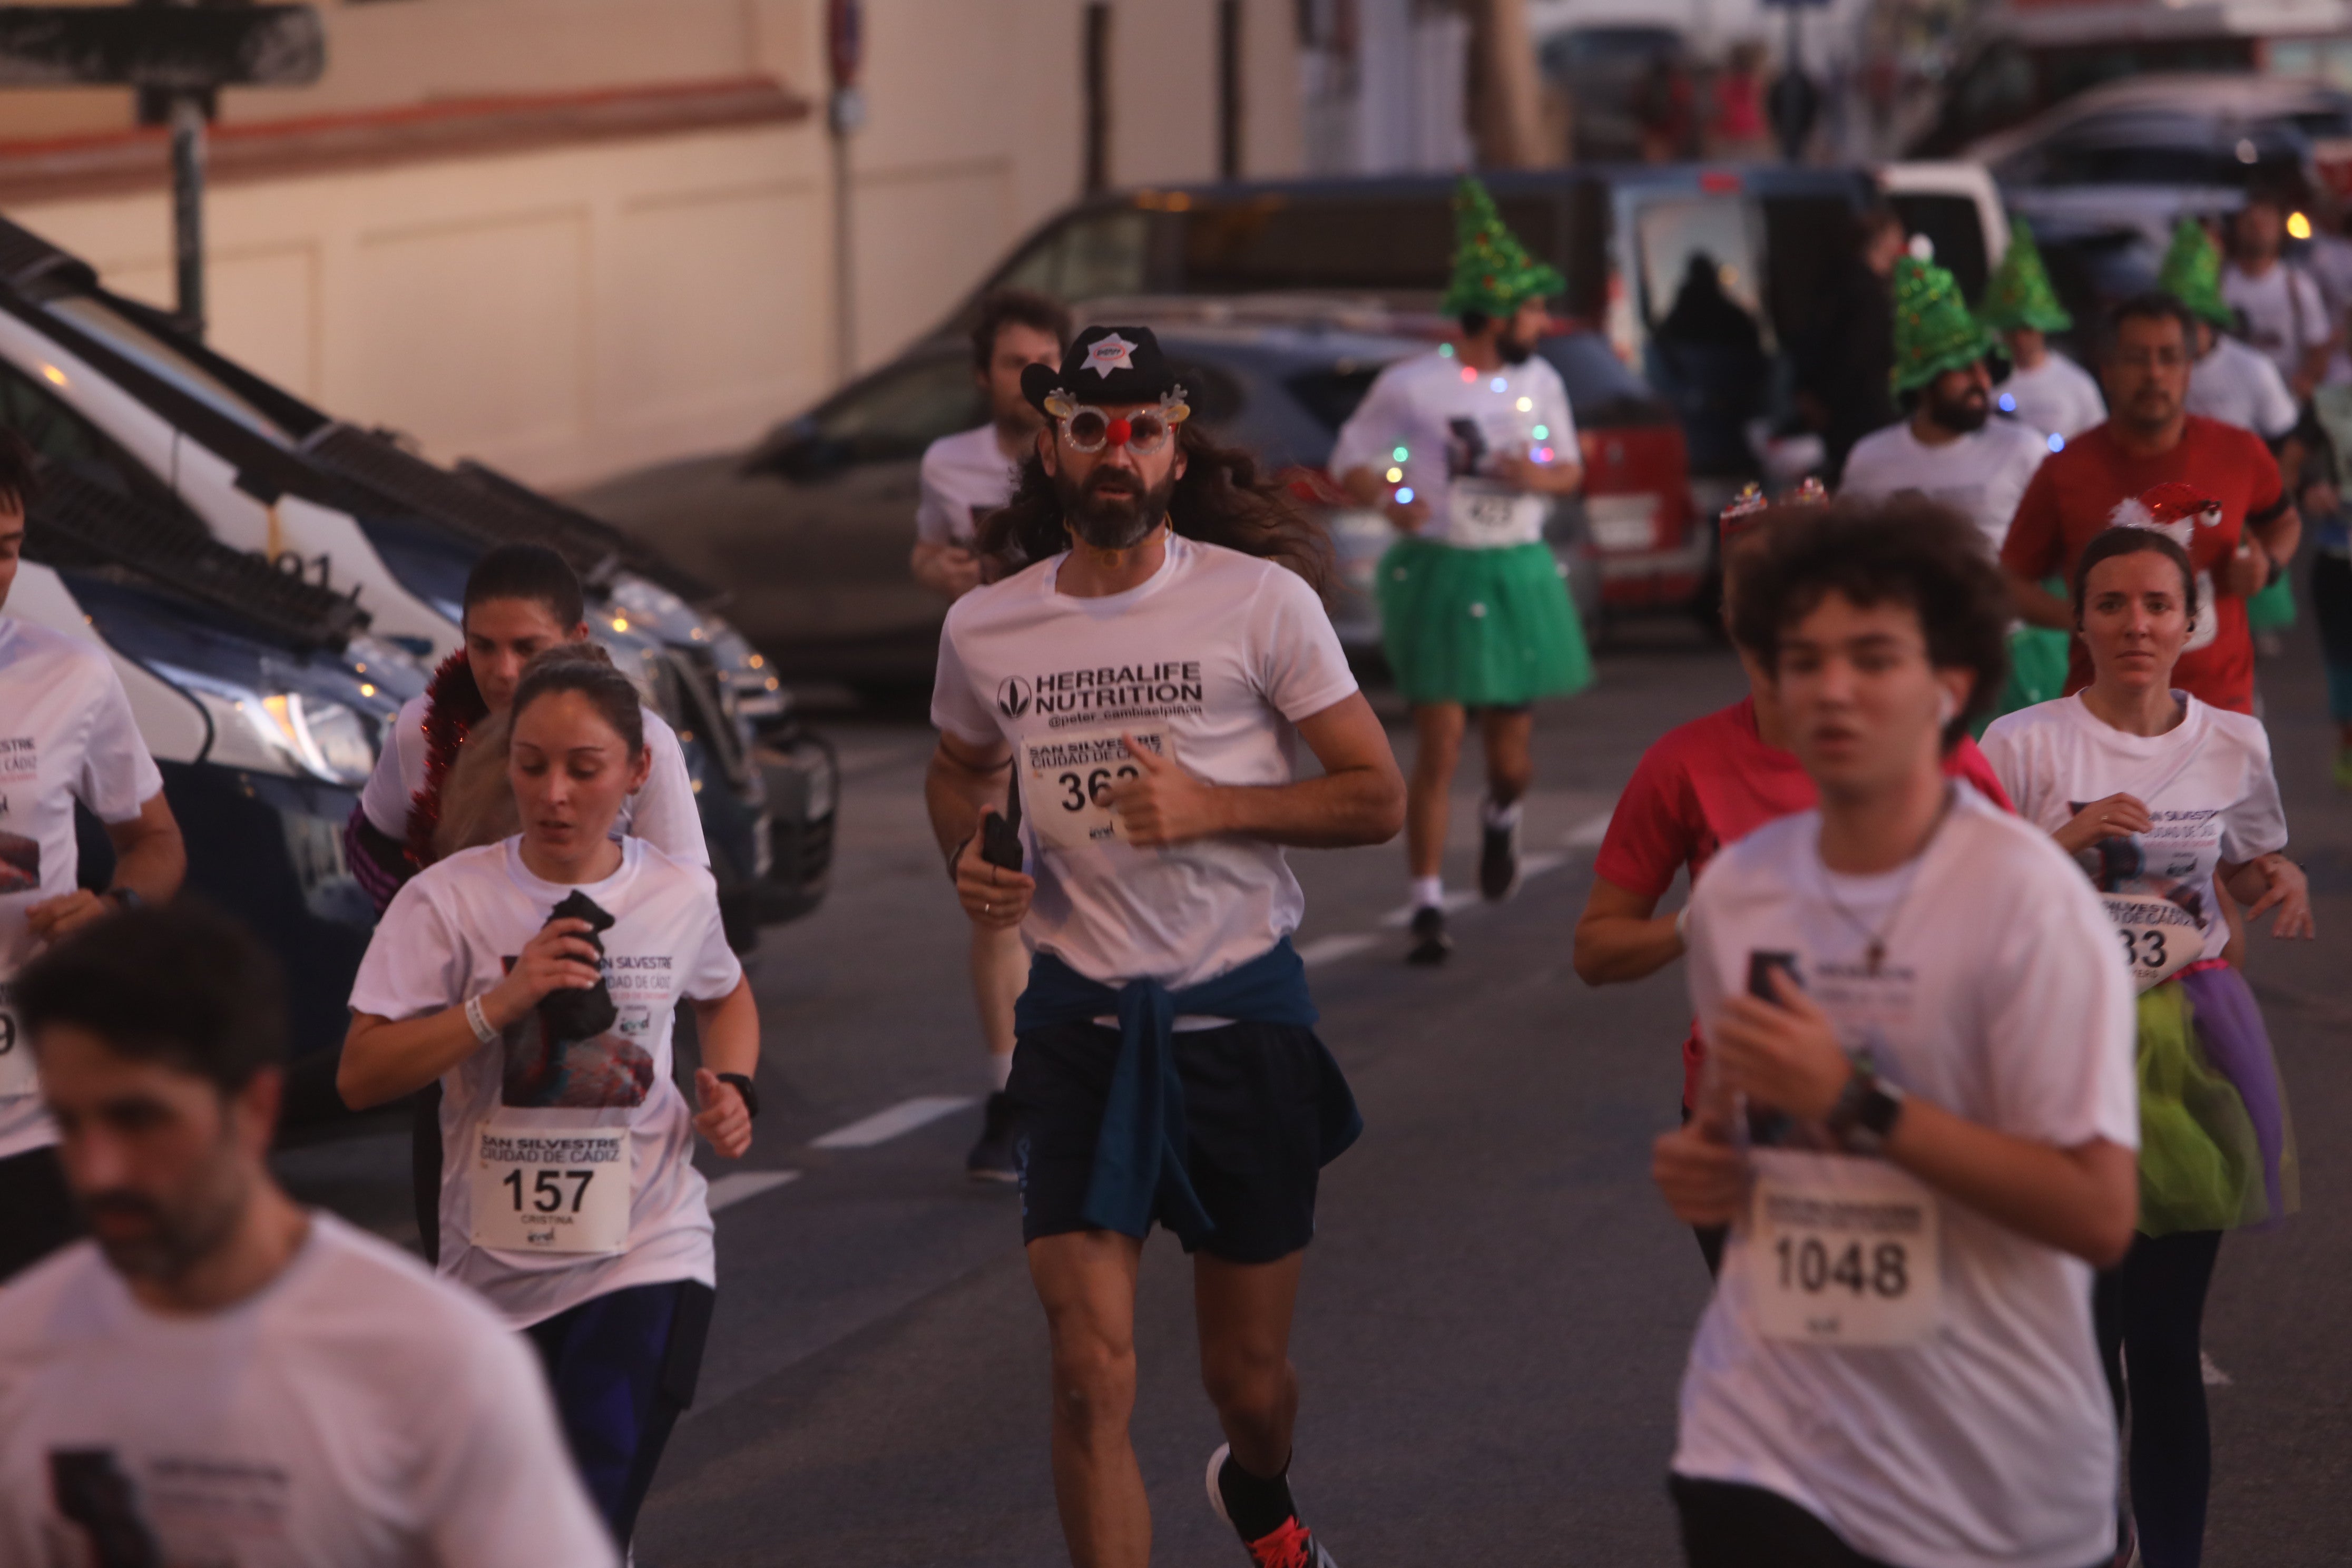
x=1144, y=432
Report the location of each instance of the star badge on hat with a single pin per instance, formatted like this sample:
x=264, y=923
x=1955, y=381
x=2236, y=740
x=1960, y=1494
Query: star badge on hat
x=1105, y=356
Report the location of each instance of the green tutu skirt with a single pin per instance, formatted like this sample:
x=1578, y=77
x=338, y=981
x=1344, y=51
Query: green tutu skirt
x=2200, y=1161
x=2273, y=609
x=1485, y=628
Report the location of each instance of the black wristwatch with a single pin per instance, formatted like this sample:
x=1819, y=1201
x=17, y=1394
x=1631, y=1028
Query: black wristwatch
x=1866, y=1113
x=744, y=1087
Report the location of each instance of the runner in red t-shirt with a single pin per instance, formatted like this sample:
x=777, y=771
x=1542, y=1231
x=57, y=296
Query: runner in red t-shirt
x=2150, y=439
x=1700, y=786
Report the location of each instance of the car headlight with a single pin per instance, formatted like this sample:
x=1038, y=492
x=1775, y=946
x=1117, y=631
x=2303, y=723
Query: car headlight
x=281, y=732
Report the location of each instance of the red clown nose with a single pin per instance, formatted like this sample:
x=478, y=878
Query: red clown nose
x=1117, y=431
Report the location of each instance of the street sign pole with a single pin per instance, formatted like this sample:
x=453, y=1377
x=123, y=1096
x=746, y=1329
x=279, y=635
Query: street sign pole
x=182, y=52
x=845, y=52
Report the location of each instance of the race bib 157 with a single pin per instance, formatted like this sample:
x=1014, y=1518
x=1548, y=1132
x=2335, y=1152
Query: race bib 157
x=551, y=1192
x=1066, y=780
x=1843, y=1251
x=2160, y=938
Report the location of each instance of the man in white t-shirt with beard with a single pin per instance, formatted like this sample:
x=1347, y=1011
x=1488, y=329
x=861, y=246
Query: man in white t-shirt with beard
x=964, y=477
x=1951, y=448
x=221, y=1376
x=1919, y=1112
x=65, y=735
x=1144, y=677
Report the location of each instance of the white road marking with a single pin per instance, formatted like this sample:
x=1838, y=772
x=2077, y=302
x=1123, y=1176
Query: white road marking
x=2214, y=1376
x=901, y=1118
x=1537, y=865
x=1331, y=948
x=733, y=1188
x=1588, y=833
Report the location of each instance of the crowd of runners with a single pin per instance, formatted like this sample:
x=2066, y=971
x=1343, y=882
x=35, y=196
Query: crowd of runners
x=1974, y=1088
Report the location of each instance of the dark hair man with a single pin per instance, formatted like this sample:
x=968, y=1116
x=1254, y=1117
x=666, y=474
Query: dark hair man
x=2150, y=439
x=964, y=477
x=66, y=734
x=1465, y=448
x=1142, y=677
x=1919, y=1097
x=220, y=1375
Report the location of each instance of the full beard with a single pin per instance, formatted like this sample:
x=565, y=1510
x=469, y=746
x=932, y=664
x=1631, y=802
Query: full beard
x=1963, y=417
x=1514, y=349
x=1111, y=510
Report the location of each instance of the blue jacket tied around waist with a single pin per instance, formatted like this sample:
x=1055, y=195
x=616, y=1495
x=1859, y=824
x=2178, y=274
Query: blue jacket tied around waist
x=1140, y=1154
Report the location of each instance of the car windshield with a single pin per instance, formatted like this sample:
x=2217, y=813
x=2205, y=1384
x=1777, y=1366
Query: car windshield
x=890, y=416
x=158, y=357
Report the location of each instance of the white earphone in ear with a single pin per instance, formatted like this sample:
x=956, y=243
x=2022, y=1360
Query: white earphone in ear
x=1948, y=708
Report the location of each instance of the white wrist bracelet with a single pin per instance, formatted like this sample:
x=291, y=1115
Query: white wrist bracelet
x=479, y=1020
x=1682, y=925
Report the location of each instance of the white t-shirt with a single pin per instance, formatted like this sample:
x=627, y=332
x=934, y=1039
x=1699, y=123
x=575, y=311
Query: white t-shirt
x=1222, y=651
x=1981, y=475
x=963, y=475
x=2206, y=782
x=1452, y=421
x=355, y=1412
x=2284, y=311
x=663, y=813
x=2329, y=259
x=2001, y=1001
x=452, y=932
x=2238, y=386
x=66, y=734
x=2057, y=395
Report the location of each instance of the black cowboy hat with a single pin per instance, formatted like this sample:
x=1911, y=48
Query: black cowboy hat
x=1106, y=366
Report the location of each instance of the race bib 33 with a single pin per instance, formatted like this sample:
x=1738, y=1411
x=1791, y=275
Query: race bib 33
x=2160, y=938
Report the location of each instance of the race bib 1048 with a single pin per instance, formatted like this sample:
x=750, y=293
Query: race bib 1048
x=1485, y=517
x=1843, y=1251
x=1066, y=780
x=2160, y=938
x=551, y=1192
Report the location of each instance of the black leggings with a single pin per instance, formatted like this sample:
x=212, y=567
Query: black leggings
x=2149, y=1309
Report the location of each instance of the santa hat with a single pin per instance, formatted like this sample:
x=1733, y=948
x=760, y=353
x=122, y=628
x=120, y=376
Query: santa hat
x=2165, y=505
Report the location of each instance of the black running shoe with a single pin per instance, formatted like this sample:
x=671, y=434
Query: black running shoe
x=1289, y=1544
x=1429, y=942
x=1498, y=862
x=992, y=1158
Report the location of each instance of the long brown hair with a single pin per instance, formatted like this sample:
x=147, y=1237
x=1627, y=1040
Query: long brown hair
x=1221, y=500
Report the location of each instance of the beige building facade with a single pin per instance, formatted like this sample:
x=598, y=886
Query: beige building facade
x=570, y=237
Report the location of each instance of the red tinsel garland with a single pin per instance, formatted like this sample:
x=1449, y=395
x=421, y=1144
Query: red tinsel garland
x=453, y=706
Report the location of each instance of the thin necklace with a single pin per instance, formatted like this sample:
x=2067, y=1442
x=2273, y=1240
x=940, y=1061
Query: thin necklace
x=1873, y=952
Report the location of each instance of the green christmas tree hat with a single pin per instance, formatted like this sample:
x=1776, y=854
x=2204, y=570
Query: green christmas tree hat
x=2020, y=294
x=2192, y=273
x=1493, y=272
x=1934, y=332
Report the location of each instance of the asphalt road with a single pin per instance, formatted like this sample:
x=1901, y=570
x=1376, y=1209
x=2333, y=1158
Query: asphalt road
x=1497, y=1306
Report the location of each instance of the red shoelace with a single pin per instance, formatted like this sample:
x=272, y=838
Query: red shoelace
x=1285, y=1547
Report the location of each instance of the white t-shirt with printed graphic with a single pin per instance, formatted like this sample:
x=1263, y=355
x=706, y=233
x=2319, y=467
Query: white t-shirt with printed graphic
x=1981, y=475
x=2284, y=311
x=663, y=813
x=2238, y=386
x=1999, y=1000
x=452, y=932
x=356, y=1411
x=1221, y=654
x=2206, y=782
x=66, y=734
x=1452, y=421
x=2056, y=395
x=964, y=476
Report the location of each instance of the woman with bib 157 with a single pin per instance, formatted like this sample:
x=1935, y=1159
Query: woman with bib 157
x=537, y=978
x=2169, y=805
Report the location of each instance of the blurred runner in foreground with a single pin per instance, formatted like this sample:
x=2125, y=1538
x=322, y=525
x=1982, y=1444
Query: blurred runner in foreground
x=1919, y=1113
x=1467, y=449
x=222, y=1377
x=965, y=477
x=1145, y=680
